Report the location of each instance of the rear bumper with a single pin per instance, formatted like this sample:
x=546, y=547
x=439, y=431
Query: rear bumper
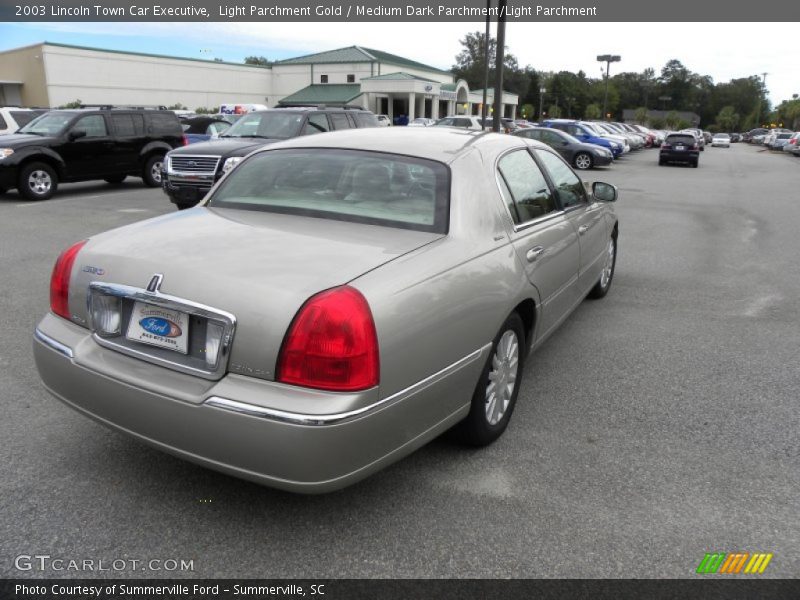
x=228, y=425
x=687, y=157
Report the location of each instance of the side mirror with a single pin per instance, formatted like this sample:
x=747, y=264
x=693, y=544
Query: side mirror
x=604, y=192
x=76, y=134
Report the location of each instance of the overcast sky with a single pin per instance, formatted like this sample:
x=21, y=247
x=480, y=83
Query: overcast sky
x=722, y=50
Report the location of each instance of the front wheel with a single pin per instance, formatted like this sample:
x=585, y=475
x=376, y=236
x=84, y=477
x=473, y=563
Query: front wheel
x=37, y=181
x=583, y=161
x=151, y=174
x=497, y=389
x=603, y=284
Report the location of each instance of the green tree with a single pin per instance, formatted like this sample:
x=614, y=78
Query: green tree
x=593, y=111
x=727, y=119
x=657, y=123
x=554, y=111
x=256, y=60
x=527, y=111
x=672, y=119
x=177, y=106
x=470, y=65
x=74, y=104
x=640, y=116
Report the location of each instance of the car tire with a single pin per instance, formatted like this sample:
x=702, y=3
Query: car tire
x=115, y=179
x=694, y=164
x=583, y=161
x=151, y=174
x=37, y=181
x=660, y=162
x=603, y=284
x=492, y=404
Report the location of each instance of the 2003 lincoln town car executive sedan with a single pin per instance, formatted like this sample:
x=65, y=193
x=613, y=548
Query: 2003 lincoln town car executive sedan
x=334, y=303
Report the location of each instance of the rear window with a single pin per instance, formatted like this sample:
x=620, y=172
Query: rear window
x=686, y=139
x=345, y=185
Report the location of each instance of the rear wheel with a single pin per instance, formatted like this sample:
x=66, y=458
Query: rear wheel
x=694, y=164
x=115, y=179
x=660, y=162
x=151, y=174
x=583, y=161
x=37, y=181
x=603, y=284
x=497, y=389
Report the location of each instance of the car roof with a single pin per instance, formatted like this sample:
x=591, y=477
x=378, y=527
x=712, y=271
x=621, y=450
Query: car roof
x=440, y=144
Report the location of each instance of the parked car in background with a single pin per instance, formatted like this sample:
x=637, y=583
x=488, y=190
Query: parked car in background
x=384, y=120
x=581, y=131
x=698, y=134
x=792, y=142
x=461, y=121
x=190, y=172
x=203, y=128
x=707, y=137
x=337, y=302
x=680, y=147
x=721, y=140
x=736, y=137
x=13, y=117
x=777, y=140
x=753, y=133
x=422, y=122
x=109, y=144
x=580, y=155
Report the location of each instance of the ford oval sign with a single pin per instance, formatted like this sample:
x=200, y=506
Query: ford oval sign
x=159, y=326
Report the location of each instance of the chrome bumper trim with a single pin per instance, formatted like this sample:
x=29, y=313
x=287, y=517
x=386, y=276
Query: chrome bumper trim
x=336, y=418
x=53, y=344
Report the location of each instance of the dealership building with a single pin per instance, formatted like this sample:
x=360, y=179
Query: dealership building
x=50, y=75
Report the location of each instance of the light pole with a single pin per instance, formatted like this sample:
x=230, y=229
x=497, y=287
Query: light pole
x=664, y=100
x=764, y=88
x=608, y=59
x=542, y=92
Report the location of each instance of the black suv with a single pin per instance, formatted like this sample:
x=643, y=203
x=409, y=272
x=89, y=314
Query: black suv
x=85, y=144
x=680, y=147
x=190, y=172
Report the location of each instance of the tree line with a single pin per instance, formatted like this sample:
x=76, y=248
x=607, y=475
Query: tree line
x=738, y=105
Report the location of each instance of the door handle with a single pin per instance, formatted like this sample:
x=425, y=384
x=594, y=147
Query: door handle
x=534, y=253
x=583, y=229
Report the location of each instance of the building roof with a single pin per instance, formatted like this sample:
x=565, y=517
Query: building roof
x=397, y=77
x=356, y=54
x=490, y=92
x=201, y=60
x=324, y=93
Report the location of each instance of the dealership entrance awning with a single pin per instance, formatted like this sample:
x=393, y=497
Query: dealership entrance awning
x=330, y=94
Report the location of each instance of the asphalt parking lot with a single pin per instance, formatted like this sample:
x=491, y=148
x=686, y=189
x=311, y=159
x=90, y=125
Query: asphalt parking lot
x=656, y=425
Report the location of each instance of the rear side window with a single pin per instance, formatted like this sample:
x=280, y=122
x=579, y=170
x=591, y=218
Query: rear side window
x=123, y=125
x=3, y=124
x=568, y=186
x=345, y=185
x=530, y=195
x=340, y=121
x=163, y=124
x=366, y=119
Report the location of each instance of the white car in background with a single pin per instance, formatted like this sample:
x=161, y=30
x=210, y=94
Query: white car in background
x=722, y=140
x=14, y=117
x=384, y=120
x=469, y=122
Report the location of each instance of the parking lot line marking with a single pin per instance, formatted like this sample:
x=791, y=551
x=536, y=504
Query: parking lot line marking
x=132, y=210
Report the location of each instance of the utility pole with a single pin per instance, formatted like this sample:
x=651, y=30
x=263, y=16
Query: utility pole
x=486, y=63
x=608, y=59
x=501, y=49
x=764, y=86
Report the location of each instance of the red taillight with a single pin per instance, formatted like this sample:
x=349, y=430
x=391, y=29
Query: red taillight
x=696, y=147
x=59, y=280
x=331, y=344
x=185, y=139
x=666, y=146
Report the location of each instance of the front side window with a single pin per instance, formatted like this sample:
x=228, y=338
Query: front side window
x=345, y=185
x=569, y=186
x=317, y=123
x=51, y=123
x=93, y=125
x=531, y=197
x=340, y=121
